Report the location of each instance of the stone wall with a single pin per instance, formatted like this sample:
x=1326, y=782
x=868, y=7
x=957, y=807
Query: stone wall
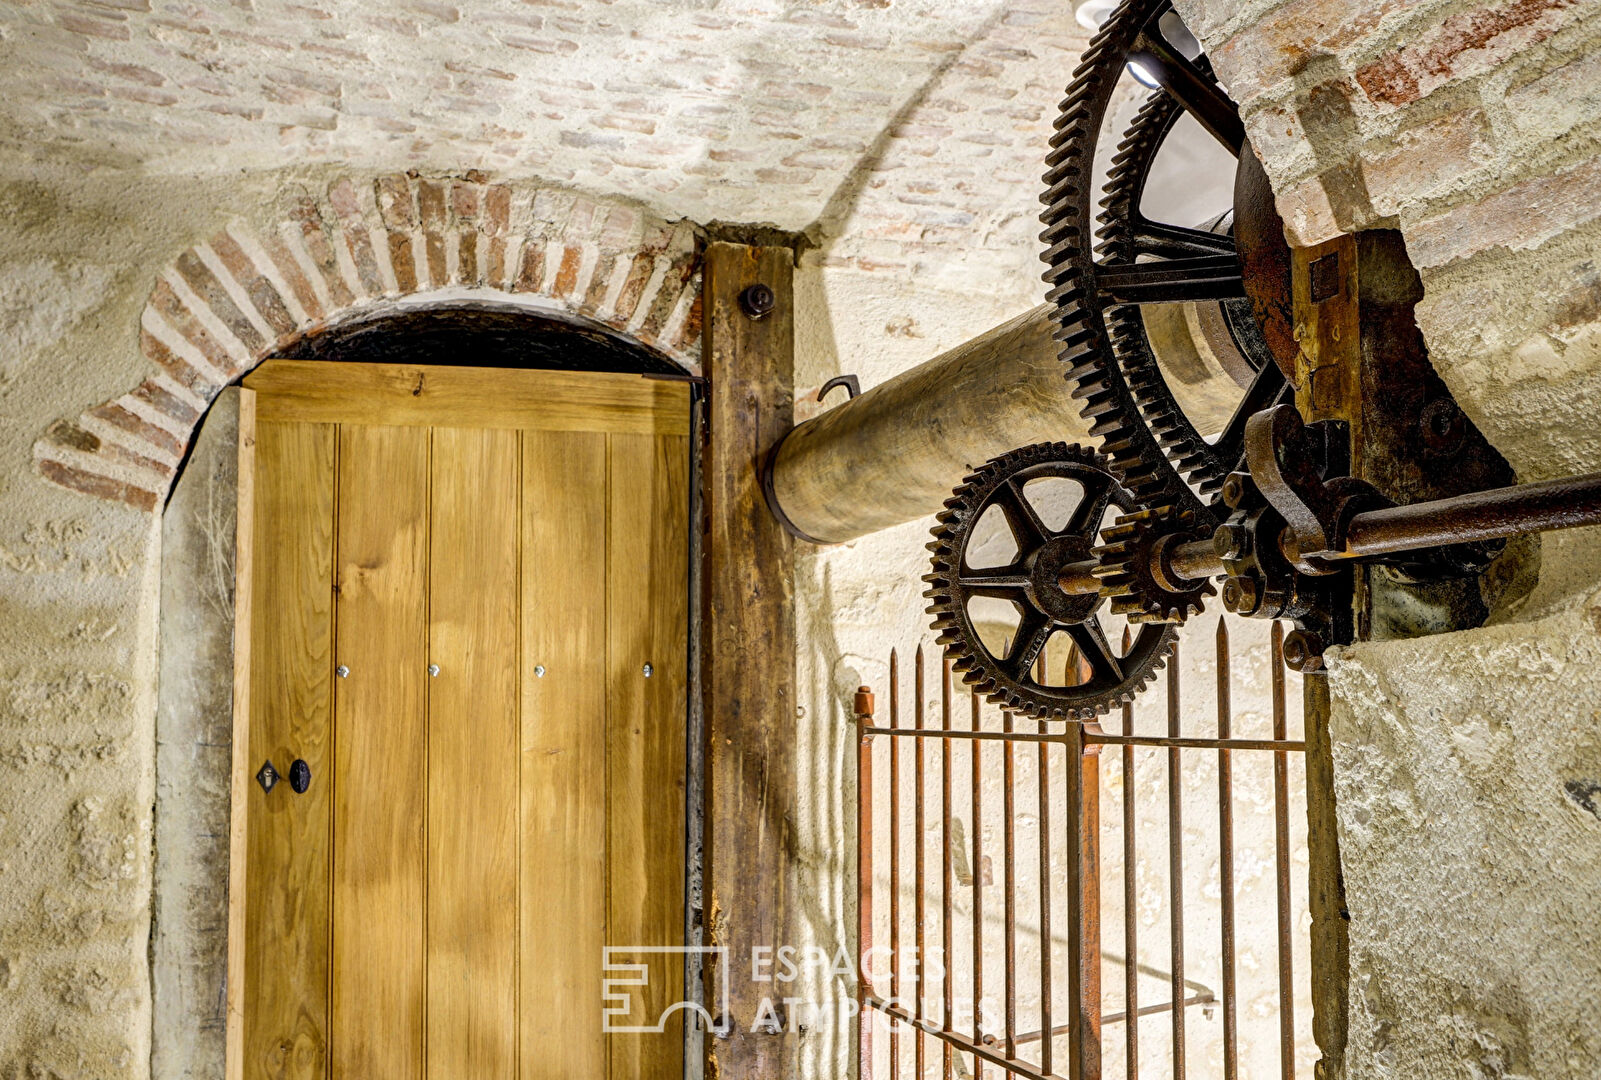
x=904, y=140
x=1466, y=764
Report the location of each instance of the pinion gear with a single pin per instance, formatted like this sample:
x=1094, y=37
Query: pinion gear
x=1011, y=677
x=1132, y=562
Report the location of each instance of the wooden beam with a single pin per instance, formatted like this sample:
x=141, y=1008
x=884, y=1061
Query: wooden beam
x=748, y=673
x=893, y=454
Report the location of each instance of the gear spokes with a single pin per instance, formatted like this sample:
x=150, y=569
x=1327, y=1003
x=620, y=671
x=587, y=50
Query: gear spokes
x=1030, y=582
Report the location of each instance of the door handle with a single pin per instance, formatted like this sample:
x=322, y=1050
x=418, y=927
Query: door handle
x=299, y=776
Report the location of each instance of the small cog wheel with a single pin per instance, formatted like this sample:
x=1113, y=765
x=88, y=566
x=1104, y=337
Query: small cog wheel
x=1133, y=566
x=1010, y=676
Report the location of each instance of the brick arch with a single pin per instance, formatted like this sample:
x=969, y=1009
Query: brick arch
x=224, y=305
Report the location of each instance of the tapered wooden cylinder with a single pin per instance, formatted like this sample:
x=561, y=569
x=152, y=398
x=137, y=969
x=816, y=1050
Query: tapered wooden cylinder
x=893, y=454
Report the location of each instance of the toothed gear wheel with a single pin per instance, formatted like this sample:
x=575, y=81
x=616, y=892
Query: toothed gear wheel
x=1012, y=678
x=1141, y=261
x=1125, y=235
x=1132, y=558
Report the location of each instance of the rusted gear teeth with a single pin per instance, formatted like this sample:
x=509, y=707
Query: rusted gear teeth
x=1010, y=683
x=1130, y=567
x=1089, y=331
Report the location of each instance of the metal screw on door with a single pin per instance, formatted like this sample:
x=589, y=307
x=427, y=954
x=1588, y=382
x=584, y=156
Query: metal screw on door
x=433, y=671
x=539, y=671
x=342, y=671
x=649, y=671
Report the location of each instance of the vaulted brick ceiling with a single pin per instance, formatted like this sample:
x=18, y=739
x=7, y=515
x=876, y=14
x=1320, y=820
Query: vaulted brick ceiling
x=921, y=121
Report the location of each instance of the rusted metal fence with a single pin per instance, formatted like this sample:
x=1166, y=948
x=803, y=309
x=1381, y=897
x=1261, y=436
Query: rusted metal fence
x=942, y=936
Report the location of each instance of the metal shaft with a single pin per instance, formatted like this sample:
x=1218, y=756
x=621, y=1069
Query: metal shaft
x=1498, y=514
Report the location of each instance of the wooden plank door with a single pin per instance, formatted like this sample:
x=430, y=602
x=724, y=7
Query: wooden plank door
x=469, y=619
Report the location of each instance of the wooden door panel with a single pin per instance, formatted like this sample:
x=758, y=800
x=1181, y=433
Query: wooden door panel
x=647, y=574
x=380, y=757
x=472, y=756
x=563, y=890
x=285, y=966
x=440, y=901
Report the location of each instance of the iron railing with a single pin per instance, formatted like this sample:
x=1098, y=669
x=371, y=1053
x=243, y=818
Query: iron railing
x=1039, y=931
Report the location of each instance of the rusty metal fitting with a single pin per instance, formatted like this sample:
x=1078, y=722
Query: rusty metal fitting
x=1241, y=595
x=862, y=706
x=757, y=301
x=1231, y=541
x=1237, y=487
x=1303, y=651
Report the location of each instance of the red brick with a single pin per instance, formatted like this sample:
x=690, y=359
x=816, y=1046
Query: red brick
x=154, y=395
x=263, y=295
x=181, y=319
x=101, y=487
x=176, y=366
x=1466, y=44
x=210, y=291
x=531, y=275
x=120, y=417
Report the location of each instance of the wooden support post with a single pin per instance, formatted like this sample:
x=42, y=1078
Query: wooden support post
x=748, y=654
x=1331, y=936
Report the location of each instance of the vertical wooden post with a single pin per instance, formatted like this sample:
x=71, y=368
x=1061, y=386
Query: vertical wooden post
x=748, y=648
x=1331, y=943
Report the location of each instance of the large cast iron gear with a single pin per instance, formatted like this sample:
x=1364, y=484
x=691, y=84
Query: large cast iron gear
x=1030, y=583
x=1125, y=234
x=1134, y=570
x=1096, y=291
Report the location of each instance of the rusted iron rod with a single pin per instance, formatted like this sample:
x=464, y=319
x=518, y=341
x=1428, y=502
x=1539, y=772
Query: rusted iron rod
x=1175, y=859
x=920, y=911
x=1092, y=738
x=1225, y=842
x=1183, y=743
x=1203, y=998
x=1568, y=503
x=863, y=707
x=984, y=1051
x=977, y=870
x=948, y=890
x=1131, y=948
x=1281, y=858
x=894, y=860
x=1009, y=898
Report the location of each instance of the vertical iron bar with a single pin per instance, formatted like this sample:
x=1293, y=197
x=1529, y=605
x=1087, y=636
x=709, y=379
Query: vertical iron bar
x=947, y=899
x=976, y=748
x=1225, y=843
x=1175, y=863
x=1084, y=887
x=894, y=864
x=864, y=880
x=1045, y=875
x=1131, y=964
x=1008, y=834
x=919, y=906
x=1281, y=854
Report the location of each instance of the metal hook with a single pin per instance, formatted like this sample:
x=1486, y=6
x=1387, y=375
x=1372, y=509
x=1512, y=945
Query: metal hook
x=851, y=383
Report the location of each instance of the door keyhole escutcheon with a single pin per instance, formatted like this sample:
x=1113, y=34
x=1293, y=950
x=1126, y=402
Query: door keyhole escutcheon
x=299, y=776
